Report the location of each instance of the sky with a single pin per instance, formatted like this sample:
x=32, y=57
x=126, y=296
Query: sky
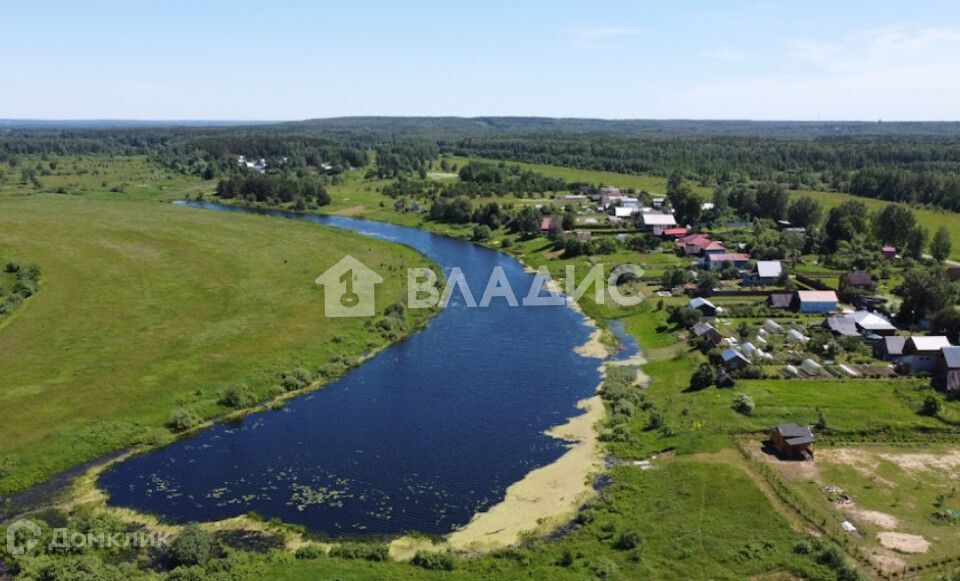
x=285, y=60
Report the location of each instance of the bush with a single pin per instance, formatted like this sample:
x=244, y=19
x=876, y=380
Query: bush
x=12, y=267
x=506, y=243
x=434, y=561
x=931, y=406
x=296, y=379
x=182, y=420
x=366, y=551
x=238, y=397
x=192, y=547
x=310, y=552
x=481, y=233
x=629, y=540
x=703, y=377
x=743, y=404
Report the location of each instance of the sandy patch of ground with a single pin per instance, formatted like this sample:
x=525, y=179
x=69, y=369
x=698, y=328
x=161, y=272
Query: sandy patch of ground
x=864, y=462
x=947, y=461
x=547, y=497
x=887, y=562
x=904, y=542
x=594, y=347
x=351, y=211
x=881, y=519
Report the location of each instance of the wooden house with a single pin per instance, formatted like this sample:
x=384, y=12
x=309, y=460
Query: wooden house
x=793, y=441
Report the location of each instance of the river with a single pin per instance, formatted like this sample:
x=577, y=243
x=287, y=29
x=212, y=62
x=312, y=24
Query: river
x=419, y=438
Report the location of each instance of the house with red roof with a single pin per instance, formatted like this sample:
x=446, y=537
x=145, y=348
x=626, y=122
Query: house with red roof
x=546, y=223
x=694, y=244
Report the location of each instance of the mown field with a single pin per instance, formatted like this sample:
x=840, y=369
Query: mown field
x=145, y=308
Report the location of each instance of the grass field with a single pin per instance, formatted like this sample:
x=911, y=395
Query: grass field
x=145, y=308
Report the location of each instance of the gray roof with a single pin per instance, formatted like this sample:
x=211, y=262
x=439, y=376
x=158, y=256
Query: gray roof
x=951, y=355
x=842, y=326
x=894, y=344
x=796, y=435
x=700, y=302
x=702, y=328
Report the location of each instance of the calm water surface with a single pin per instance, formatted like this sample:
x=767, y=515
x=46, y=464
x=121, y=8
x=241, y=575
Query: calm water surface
x=422, y=436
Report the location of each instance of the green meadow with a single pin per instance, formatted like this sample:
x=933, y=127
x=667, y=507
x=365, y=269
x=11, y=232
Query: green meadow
x=146, y=308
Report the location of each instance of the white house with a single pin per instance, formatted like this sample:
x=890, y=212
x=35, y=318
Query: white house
x=657, y=223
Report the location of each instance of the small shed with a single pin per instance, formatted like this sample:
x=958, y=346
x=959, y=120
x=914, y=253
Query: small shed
x=733, y=359
x=704, y=306
x=706, y=332
x=889, y=252
x=792, y=441
x=858, y=279
x=779, y=300
x=546, y=223
x=871, y=323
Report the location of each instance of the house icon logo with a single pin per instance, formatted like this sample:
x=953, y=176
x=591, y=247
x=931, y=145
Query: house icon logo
x=349, y=289
x=22, y=537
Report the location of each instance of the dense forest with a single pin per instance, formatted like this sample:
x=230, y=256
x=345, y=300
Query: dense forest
x=914, y=163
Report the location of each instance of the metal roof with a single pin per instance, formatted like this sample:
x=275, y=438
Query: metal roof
x=951, y=355
x=652, y=219
x=817, y=296
x=769, y=268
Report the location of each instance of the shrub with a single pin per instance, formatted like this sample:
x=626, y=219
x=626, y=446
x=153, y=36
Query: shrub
x=743, y=404
x=628, y=540
x=238, y=397
x=182, y=420
x=931, y=406
x=192, y=547
x=481, y=233
x=433, y=560
x=703, y=377
x=310, y=552
x=12, y=267
x=296, y=379
x=506, y=243
x=366, y=551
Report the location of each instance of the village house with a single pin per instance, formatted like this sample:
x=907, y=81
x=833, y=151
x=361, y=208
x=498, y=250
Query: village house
x=920, y=354
x=948, y=369
x=872, y=324
x=858, y=279
x=625, y=211
x=719, y=260
x=733, y=359
x=675, y=233
x=890, y=348
x=814, y=301
x=889, y=252
x=792, y=441
x=706, y=332
x=765, y=273
x=546, y=223
x=779, y=300
x=704, y=306
x=714, y=248
x=657, y=223
x=609, y=195
x=694, y=244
